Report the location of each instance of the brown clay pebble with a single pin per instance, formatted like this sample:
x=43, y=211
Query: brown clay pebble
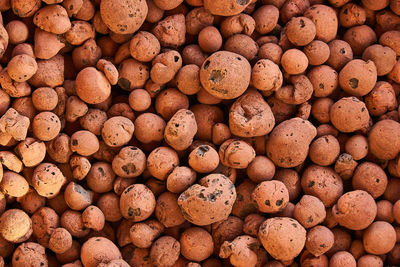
x=282, y=237
x=225, y=75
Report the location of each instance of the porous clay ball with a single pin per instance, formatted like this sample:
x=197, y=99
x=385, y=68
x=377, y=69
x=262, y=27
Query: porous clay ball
x=370, y=261
x=196, y=244
x=324, y=150
x=289, y=142
x=271, y=196
x=167, y=210
x=137, y=202
x=117, y=131
x=92, y=86
x=370, y=177
x=47, y=179
x=164, y=251
x=45, y=99
x=300, y=31
x=349, y=114
x=294, y=61
x=149, y=127
x=357, y=147
x=161, y=161
x=209, y=201
x=15, y=226
x=309, y=211
x=225, y=7
x=13, y=184
x=355, y=210
x=379, y=238
x=261, y=169
x=342, y=258
x=384, y=139
x=29, y=254
x=241, y=251
x=250, y=115
x=266, y=76
x=322, y=182
x=181, y=129
x=98, y=250
x=123, y=17
x=144, y=46
x=46, y=126
x=319, y=240
x=236, y=154
x=129, y=162
x=225, y=75
x=203, y=159
x=282, y=237
x=60, y=240
x=84, y=143
x=358, y=77
x=325, y=20
x=22, y=67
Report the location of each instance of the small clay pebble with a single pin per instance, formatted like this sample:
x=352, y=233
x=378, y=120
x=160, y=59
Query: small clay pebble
x=282, y=237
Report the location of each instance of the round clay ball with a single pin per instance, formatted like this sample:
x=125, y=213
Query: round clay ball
x=209, y=201
x=309, y=211
x=225, y=75
x=46, y=126
x=322, y=182
x=137, y=202
x=300, y=31
x=139, y=100
x=84, y=143
x=261, y=169
x=44, y=99
x=379, y=238
x=161, y=161
x=47, y=179
x=144, y=46
x=355, y=210
x=196, y=244
x=149, y=127
x=123, y=17
x=370, y=261
x=325, y=20
x=342, y=258
x=358, y=77
x=29, y=254
x=203, y=159
x=130, y=162
x=15, y=226
x=92, y=86
x=370, y=177
x=294, y=61
x=282, y=237
x=60, y=240
x=98, y=250
x=319, y=240
x=164, y=251
x=317, y=52
x=324, y=150
x=270, y=196
x=349, y=114
x=117, y=131
x=22, y=67
x=357, y=147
